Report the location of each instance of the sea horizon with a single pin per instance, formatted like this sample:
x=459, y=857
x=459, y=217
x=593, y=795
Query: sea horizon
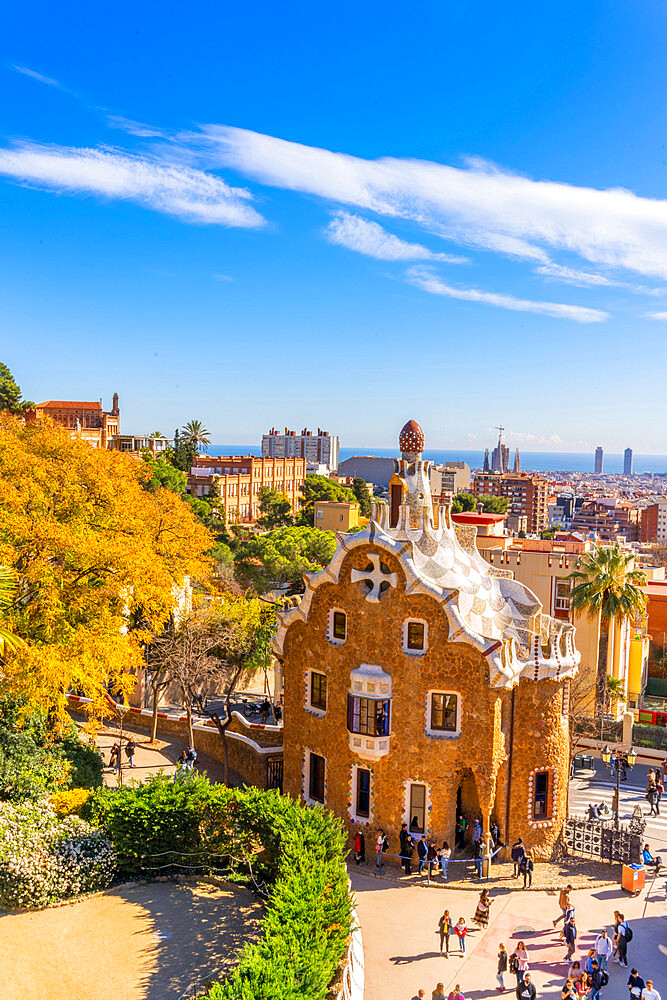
x=531, y=461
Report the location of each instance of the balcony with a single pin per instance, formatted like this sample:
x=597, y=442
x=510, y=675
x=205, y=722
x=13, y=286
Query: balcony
x=368, y=747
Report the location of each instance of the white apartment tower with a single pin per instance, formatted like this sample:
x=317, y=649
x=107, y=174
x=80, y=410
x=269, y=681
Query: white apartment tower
x=317, y=449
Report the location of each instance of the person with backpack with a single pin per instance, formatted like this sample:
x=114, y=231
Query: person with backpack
x=624, y=936
x=519, y=962
x=517, y=853
x=526, y=868
x=502, y=968
x=526, y=988
x=445, y=929
x=130, y=748
x=598, y=979
x=603, y=949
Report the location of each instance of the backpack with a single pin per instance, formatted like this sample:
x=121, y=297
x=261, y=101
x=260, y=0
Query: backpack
x=514, y=964
x=385, y=844
x=628, y=933
x=604, y=979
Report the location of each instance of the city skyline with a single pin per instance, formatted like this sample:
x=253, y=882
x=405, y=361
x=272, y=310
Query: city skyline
x=226, y=222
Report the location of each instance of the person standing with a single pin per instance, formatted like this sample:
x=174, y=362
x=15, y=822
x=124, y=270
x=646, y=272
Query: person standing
x=636, y=985
x=439, y=992
x=422, y=851
x=477, y=831
x=460, y=831
x=112, y=755
x=603, y=948
x=362, y=847
x=517, y=853
x=461, y=930
x=357, y=848
x=652, y=799
x=478, y=851
x=431, y=858
x=481, y=917
x=649, y=992
x=408, y=851
x=444, y=856
x=456, y=994
x=379, y=847
x=445, y=929
x=402, y=837
x=526, y=988
x=130, y=748
x=502, y=968
x=623, y=938
x=495, y=834
x=526, y=868
x=570, y=938
x=597, y=979
x=568, y=991
x=522, y=966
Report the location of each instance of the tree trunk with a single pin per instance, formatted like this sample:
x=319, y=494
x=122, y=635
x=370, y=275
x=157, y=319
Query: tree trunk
x=601, y=675
x=188, y=712
x=154, y=718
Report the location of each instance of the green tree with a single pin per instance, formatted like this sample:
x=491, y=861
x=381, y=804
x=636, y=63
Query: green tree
x=463, y=502
x=360, y=491
x=282, y=556
x=492, y=504
x=606, y=585
x=195, y=433
x=163, y=475
x=276, y=510
x=10, y=393
x=320, y=488
x=182, y=454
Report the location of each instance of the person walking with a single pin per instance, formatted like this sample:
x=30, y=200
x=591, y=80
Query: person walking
x=422, y=851
x=623, y=937
x=478, y=853
x=431, y=858
x=603, y=949
x=130, y=748
x=444, y=930
x=481, y=917
x=597, y=979
x=522, y=966
x=379, y=847
x=570, y=938
x=526, y=868
x=443, y=857
x=652, y=799
x=526, y=988
x=502, y=968
x=461, y=930
x=112, y=756
x=517, y=853
x=649, y=992
x=563, y=902
x=636, y=985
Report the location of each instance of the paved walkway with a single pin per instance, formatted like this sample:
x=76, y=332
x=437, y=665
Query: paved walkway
x=401, y=944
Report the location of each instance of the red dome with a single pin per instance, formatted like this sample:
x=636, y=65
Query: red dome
x=411, y=437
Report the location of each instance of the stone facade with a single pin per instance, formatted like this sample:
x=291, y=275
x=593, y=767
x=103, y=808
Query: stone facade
x=418, y=684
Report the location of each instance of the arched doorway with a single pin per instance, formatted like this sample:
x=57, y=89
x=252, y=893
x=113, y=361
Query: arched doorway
x=467, y=806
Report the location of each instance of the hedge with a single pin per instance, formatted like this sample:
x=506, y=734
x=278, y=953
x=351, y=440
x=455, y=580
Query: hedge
x=298, y=851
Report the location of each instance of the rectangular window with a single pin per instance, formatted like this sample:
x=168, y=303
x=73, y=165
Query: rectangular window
x=368, y=716
x=415, y=635
x=417, y=808
x=444, y=711
x=339, y=625
x=541, y=794
x=316, y=777
x=318, y=691
x=363, y=792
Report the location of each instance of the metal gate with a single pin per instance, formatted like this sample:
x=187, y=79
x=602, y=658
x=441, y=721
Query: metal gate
x=604, y=842
x=274, y=773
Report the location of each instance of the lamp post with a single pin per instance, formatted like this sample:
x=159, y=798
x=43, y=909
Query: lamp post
x=630, y=759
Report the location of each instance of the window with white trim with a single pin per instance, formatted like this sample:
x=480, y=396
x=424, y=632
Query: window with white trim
x=443, y=713
x=317, y=691
x=360, y=797
x=368, y=716
x=315, y=777
x=415, y=636
x=417, y=808
x=541, y=790
x=337, y=630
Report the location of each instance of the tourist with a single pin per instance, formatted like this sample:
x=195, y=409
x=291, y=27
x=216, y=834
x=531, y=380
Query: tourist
x=650, y=777
x=574, y=970
x=443, y=857
x=481, y=917
x=664, y=770
x=526, y=988
x=598, y=980
x=456, y=994
x=636, y=985
x=564, y=903
x=517, y=852
x=570, y=938
x=362, y=848
x=623, y=938
x=593, y=814
x=478, y=854
x=431, y=858
x=526, y=868
x=659, y=787
x=648, y=859
x=460, y=831
x=590, y=958
x=265, y=709
x=130, y=748
x=419, y=995
x=581, y=985
x=406, y=854
x=190, y=757
x=402, y=837
x=445, y=929
x=603, y=949
x=422, y=852
x=379, y=848
x=439, y=992
x=477, y=831
x=653, y=800
x=357, y=847
x=461, y=930
x=649, y=992
x=521, y=955
x=495, y=834
x=568, y=991
x=112, y=755
x=502, y=968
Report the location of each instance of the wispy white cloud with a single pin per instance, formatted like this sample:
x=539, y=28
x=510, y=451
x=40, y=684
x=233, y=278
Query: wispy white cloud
x=135, y=128
x=369, y=238
x=479, y=204
x=191, y=195
x=429, y=282
x=656, y=315
x=587, y=279
x=527, y=437
x=223, y=277
x=49, y=81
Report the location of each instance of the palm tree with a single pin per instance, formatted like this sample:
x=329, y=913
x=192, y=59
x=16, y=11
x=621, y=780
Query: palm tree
x=195, y=434
x=7, y=591
x=156, y=434
x=605, y=585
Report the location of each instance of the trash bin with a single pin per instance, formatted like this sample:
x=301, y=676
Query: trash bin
x=633, y=878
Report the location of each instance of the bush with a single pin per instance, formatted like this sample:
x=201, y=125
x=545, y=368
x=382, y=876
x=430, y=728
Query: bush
x=43, y=859
x=72, y=801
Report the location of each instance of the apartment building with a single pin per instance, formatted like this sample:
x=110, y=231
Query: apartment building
x=317, y=449
x=528, y=496
x=239, y=479
x=133, y=444
x=84, y=419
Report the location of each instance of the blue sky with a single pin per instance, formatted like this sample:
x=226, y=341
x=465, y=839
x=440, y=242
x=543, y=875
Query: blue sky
x=342, y=216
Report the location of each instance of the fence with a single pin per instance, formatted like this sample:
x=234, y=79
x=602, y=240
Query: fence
x=596, y=840
x=650, y=736
x=602, y=729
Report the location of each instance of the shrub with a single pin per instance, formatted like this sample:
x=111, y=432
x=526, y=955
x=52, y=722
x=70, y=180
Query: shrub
x=43, y=859
x=72, y=801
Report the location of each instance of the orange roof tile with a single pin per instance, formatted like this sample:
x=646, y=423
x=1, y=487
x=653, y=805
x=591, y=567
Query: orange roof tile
x=70, y=404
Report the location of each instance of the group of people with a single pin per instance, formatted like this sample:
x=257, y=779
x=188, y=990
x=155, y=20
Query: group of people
x=523, y=862
x=434, y=858
x=186, y=761
x=116, y=755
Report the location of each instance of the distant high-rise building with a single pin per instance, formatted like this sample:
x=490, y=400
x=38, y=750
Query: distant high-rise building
x=627, y=462
x=487, y=464
x=318, y=449
x=517, y=461
x=599, y=461
x=500, y=459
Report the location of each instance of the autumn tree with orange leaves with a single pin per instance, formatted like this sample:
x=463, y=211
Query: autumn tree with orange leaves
x=98, y=561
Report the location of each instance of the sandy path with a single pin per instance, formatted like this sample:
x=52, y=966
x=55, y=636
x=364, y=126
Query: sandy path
x=141, y=942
